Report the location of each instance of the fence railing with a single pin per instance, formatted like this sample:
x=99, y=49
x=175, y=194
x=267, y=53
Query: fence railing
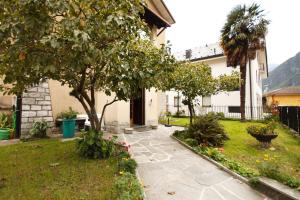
x=251, y=113
x=290, y=116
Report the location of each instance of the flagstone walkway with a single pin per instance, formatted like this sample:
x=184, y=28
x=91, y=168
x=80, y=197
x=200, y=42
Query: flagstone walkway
x=169, y=171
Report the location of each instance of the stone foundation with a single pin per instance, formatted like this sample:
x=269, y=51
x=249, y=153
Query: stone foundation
x=116, y=127
x=36, y=106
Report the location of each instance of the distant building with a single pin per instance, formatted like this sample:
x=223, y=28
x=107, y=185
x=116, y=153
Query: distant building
x=289, y=96
x=226, y=102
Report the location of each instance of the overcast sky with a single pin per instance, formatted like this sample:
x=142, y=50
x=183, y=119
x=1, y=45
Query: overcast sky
x=198, y=22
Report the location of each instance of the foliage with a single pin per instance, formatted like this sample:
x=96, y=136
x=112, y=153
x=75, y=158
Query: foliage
x=127, y=164
x=92, y=145
x=191, y=142
x=70, y=114
x=195, y=79
x=39, y=129
x=216, y=155
x=271, y=170
x=208, y=131
x=89, y=46
x=6, y=120
x=218, y=115
x=128, y=187
x=241, y=36
x=270, y=118
x=268, y=129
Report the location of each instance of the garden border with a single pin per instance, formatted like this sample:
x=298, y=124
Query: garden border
x=263, y=185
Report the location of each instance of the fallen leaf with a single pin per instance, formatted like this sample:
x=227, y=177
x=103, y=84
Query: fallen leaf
x=54, y=164
x=171, y=193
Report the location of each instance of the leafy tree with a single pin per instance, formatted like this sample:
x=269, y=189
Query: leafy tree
x=195, y=79
x=242, y=35
x=91, y=46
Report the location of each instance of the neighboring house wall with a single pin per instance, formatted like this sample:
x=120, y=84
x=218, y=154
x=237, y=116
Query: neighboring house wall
x=224, y=100
x=284, y=100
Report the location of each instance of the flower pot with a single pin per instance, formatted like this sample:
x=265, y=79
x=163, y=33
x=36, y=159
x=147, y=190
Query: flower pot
x=264, y=139
x=4, y=133
x=68, y=128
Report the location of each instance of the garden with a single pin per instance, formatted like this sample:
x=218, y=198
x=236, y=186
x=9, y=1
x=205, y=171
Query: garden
x=235, y=145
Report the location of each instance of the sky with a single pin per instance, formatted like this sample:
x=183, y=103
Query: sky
x=198, y=22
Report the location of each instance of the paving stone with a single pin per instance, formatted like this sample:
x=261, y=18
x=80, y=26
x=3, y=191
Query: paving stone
x=165, y=167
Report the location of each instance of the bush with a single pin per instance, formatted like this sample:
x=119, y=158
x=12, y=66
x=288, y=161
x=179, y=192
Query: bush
x=39, y=129
x=92, y=145
x=191, y=142
x=208, y=131
x=218, y=115
x=128, y=187
x=179, y=114
x=127, y=165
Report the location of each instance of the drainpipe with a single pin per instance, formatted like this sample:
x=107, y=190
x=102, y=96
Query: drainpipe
x=250, y=81
x=18, y=116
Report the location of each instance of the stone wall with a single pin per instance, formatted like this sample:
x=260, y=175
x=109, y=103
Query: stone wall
x=36, y=106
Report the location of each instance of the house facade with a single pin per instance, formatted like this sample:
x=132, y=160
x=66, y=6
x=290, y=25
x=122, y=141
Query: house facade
x=289, y=96
x=226, y=102
x=47, y=100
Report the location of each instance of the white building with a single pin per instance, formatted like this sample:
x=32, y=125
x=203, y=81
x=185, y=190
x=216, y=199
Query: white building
x=226, y=102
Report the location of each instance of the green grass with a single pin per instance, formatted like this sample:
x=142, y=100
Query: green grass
x=243, y=148
x=49, y=169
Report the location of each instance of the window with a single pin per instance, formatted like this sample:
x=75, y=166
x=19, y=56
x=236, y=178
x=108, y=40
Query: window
x=234, y=109
x=206, y=101
x=176, y=101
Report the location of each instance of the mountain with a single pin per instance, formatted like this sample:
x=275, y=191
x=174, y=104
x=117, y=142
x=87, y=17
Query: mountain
x=272, y=67
x=285, y=75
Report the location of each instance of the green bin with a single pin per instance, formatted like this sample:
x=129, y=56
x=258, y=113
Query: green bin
x=69, y=128
x=4, y=133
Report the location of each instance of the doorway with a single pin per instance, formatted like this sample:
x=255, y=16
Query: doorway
x=137, y=109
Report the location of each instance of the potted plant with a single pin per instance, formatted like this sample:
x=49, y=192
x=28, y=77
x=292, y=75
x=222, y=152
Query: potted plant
x=5, y=126
x=263, y=133
x=69, y=123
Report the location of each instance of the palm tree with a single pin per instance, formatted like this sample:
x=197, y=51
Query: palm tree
x=242, y=35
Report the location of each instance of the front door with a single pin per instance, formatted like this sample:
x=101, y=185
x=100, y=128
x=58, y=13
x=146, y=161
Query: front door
x=137, y=109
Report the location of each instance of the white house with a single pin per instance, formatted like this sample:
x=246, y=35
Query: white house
x=226, y=102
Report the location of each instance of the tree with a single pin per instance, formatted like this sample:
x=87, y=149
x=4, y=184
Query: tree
x=91, y=46
x=242, y=35
x=195, y=79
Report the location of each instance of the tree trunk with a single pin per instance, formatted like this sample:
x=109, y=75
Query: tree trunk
x=191, y=110
x=243, y=70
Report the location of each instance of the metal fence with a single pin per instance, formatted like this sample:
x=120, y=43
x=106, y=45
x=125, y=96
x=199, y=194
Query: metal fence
x=251, y=113
x=290, y=116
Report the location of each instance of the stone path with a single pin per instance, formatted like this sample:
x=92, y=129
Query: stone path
x=169, y=171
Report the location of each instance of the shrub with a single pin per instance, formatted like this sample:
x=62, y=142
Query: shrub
x=127, y=165
x=39, y=129
x=70, y=114
x=180, y=113
x=92, y=145
x=128, y=187
x=271, y=118
x=208, y=131
x=6, y=120
x=191, y=142
x=180, y=134
x=218, y=115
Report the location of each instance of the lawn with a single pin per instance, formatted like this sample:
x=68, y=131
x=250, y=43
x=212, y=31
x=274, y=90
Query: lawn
x=50, y=169
x=245, y=149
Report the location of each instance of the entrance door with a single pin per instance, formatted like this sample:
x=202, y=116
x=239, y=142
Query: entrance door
x=137, y=109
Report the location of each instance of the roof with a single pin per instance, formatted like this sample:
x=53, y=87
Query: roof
x=284, y=91
x=159, y=12
x=201, y=53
